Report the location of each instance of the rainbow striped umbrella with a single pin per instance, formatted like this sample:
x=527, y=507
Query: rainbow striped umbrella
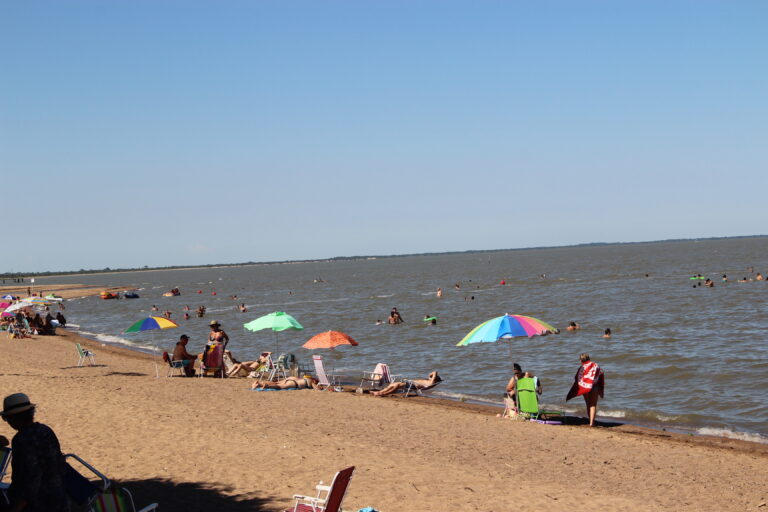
x=506, y=326
x=151, y=323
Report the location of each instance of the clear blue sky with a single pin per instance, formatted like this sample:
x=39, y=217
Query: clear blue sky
x=154, y=132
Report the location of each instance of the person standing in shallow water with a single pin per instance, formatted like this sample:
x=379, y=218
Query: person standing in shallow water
x=37, y=465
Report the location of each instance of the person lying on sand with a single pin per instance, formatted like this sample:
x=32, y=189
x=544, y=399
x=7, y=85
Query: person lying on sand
x=287, y=383
x=394, y=387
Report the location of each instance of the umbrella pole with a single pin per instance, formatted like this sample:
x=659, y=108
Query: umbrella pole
x=157, y=354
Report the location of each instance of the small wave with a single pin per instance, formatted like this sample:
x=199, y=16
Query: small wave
x=385, y=296
x=730, y=434
x=117, y=340
x=612, y=414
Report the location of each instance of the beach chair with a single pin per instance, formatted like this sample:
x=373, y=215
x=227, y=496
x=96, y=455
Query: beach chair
x=174, y=367
x=322, y=377
x=212, y=361
x=277, y=370
x=378, y=378
x=412, y=387
x=5, y=459
x=85, y=355
x=329, y=497
x=527, y=400
x=101, y=497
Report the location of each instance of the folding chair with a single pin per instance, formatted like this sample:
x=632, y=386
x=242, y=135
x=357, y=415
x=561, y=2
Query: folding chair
x=411, y=386
x=5, y=458
x=378, y=378
x=85, y=355
x=277, y=370
x=334, y=495
x=322, y=377
x=173, y=366
x=104, y=497
x=527, y=400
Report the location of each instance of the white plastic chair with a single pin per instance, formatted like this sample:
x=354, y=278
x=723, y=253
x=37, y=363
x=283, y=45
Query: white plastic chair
x=85, y=355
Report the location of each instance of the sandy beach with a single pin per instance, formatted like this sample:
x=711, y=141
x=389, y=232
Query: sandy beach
x=202, y=444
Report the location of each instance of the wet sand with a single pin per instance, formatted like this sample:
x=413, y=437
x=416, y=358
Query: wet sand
x=201, y=444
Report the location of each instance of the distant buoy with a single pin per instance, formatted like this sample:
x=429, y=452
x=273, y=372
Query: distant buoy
x=503, y=282
x=213, y=293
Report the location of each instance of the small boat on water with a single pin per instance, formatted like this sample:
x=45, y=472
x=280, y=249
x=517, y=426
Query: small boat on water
x=109, y=295
x=130, y=295
x=173, y=293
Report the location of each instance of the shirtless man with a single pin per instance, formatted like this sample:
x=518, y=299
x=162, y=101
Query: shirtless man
x=573, y=326
x=394, y=387
x=180, y=354
x=288, y=383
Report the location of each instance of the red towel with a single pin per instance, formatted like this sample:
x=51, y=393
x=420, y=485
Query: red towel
x=589, y=376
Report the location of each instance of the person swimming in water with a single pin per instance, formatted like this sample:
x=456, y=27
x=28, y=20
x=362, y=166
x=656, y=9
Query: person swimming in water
x=573, y=326
x=607, y=333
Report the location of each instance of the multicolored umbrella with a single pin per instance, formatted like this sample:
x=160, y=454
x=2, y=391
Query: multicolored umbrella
x=36, y=301
x=277, y=321
x=506, y=326
x=152, y=323
x=329, y=339
x=8, y=297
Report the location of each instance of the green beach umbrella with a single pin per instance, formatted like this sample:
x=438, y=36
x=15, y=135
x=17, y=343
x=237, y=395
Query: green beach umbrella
x=277, y=321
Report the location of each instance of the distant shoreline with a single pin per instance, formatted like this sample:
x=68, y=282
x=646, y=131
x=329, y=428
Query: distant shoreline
x=107, y=271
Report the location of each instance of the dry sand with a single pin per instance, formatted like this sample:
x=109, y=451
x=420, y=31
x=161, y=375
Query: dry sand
x=211, y=444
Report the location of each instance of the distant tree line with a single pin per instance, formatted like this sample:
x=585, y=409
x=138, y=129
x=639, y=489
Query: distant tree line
x=11, y=275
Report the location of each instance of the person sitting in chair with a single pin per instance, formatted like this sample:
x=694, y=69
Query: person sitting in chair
x=180, y=354
x=288, y=383
x=421, y=384
x=519, y=374
x=249, y=366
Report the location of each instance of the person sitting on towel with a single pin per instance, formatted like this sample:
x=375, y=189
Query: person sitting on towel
x=394, y=387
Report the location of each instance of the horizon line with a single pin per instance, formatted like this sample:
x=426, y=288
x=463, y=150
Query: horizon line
x=54, y=273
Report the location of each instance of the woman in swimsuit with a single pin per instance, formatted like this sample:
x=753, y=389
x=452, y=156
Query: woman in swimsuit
x=288, y=383
x=217, y=336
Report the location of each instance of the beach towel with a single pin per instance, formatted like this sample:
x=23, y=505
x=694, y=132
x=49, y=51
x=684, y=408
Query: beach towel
x=589, y=376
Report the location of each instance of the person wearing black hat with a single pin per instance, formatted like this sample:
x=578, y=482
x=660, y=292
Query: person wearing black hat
x=37, y=465
x=180, y=354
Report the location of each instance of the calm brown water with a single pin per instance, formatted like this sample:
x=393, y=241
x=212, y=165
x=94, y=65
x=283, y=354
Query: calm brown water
x=680, y=356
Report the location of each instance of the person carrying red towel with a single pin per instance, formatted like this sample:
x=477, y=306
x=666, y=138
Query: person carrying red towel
x=589, y=382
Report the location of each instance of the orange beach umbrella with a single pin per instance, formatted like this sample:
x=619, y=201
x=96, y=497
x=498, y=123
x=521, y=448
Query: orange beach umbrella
x=329, y=339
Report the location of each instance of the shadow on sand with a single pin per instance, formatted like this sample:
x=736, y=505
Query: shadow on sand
x=192, y=497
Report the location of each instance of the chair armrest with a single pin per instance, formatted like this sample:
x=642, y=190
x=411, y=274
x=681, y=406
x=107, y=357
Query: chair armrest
x=323, y=488
x=312, y=499
x=149, y=507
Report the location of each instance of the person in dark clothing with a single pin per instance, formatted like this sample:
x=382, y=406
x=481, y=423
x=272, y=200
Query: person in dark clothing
x=61, y=319
x=37, y=464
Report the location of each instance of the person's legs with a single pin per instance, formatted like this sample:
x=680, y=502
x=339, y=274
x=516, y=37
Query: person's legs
x=392, y=388
x=590, y=399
